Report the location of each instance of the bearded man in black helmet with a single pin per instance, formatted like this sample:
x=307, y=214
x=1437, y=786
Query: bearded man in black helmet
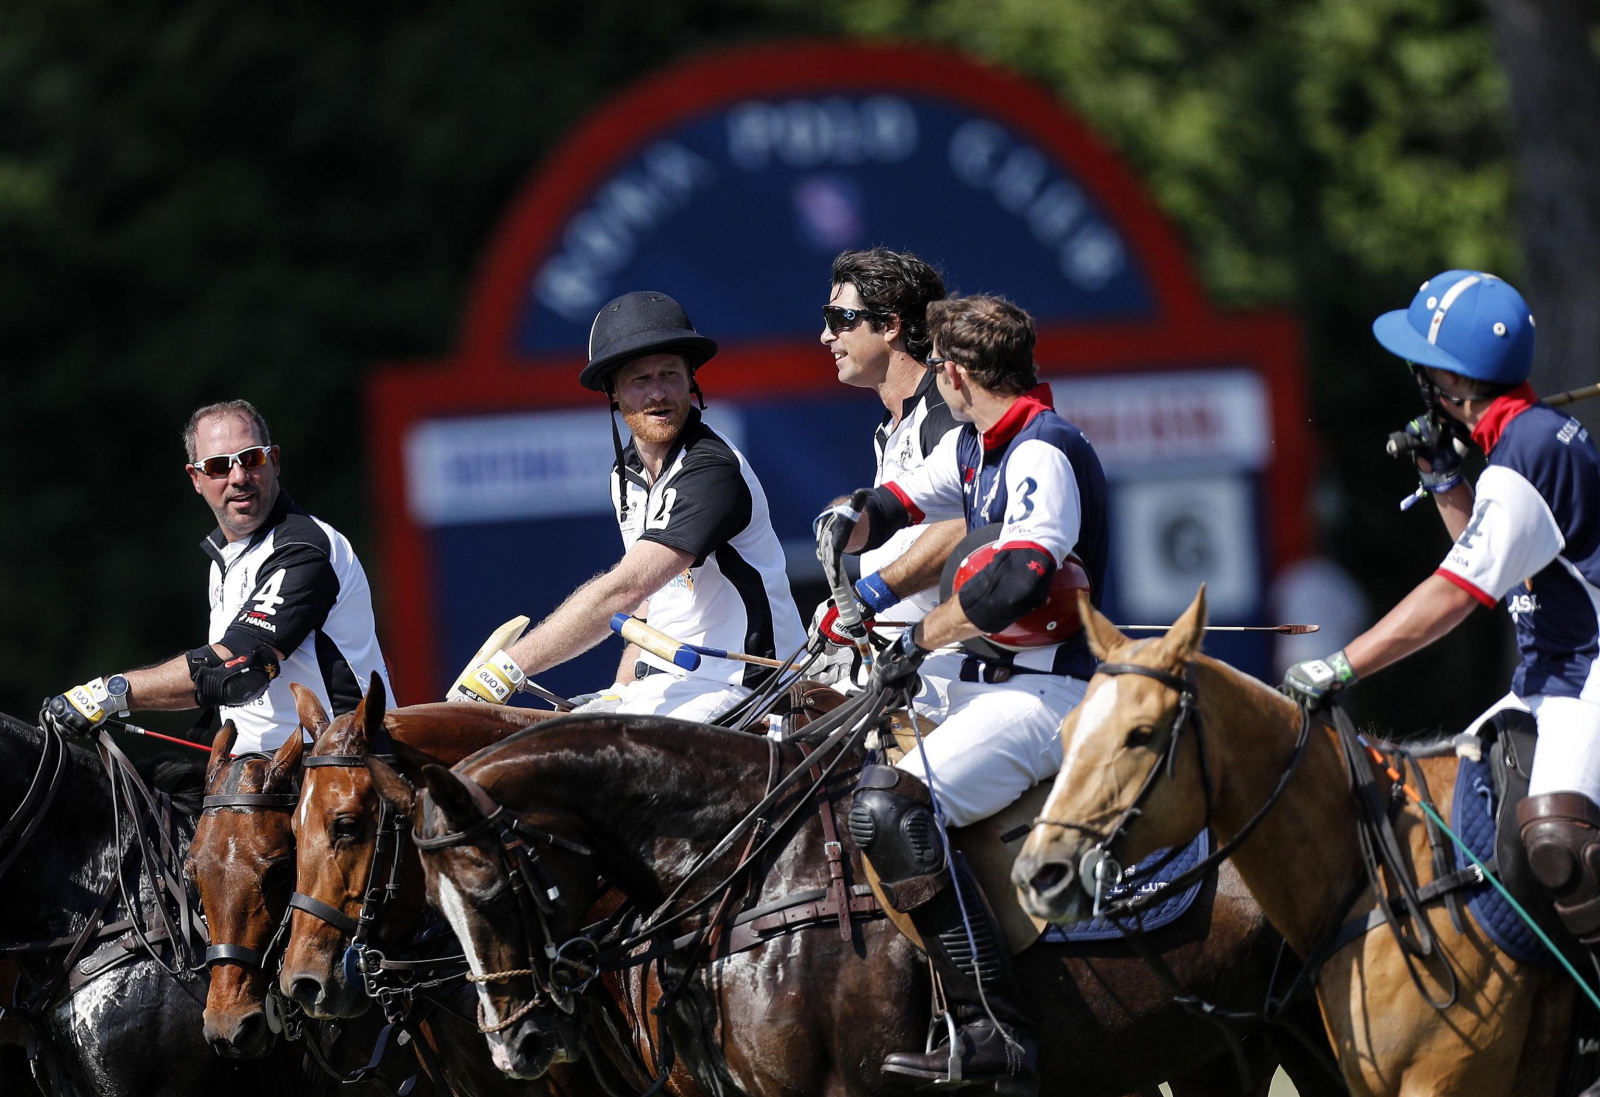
x=701, y=562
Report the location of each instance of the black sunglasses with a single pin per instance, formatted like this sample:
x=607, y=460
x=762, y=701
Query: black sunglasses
x=837, y=318
x=938, y=363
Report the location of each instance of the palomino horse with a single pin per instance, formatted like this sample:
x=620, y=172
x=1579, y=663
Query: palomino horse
x=135, y=1029
x=342, y=863
x=639, y=801
x=1504, y=1033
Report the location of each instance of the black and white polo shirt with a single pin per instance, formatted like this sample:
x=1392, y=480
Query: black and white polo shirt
x=735, y=595
x=295, y=585
x=901, y=449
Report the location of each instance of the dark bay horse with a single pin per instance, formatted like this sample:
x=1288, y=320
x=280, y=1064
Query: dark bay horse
x=336, y=842
x=801, y=1013
x=135, y=1030
x=1504, y=1032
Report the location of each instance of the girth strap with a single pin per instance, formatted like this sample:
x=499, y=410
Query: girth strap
x=318, y=909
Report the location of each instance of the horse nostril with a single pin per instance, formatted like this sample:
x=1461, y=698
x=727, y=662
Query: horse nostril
x=307, y=990
x=249, y=1032
x=1051, y=877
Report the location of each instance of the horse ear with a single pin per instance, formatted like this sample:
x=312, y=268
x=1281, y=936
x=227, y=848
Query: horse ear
x=221, y=749
x=1104, y=637
x=286, y=760
x=1183, y=638
x=313, y=717
x=410, y=761
x=372, y=709
x=450, y=797
x=395, y=790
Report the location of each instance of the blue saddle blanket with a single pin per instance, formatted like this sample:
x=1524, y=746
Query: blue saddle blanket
x=1167, y=911
x=1472, y=817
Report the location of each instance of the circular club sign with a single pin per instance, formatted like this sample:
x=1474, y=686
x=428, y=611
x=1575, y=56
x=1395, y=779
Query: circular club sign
x=731, y=182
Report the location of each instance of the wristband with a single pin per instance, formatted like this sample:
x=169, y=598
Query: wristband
x=875, y=593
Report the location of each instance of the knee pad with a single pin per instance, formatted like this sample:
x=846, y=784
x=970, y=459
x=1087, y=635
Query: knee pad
x=893, y=825
x=1561, y=832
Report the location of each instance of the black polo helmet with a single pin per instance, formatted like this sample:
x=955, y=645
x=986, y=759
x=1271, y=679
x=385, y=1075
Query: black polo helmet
x=637, y=324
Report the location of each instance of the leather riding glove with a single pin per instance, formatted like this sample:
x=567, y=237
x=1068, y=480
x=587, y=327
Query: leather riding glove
x=1315, y=681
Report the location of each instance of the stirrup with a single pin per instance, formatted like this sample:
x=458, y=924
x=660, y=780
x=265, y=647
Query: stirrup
x=954, y=1079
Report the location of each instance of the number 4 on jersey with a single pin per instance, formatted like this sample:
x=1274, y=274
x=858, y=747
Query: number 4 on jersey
x=267, y=598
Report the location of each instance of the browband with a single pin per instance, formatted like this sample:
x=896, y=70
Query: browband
x=1182, y=685
x=349, y=760
x=284, y=800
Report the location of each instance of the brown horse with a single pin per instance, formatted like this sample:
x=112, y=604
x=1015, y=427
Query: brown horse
x=335, y=836
x=1504, y=1034
x=639, y=800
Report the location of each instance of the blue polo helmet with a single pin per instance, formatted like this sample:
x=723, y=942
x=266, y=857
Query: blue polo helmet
x=1467, y=322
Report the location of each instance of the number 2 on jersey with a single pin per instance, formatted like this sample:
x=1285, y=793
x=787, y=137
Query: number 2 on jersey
x=663, y=513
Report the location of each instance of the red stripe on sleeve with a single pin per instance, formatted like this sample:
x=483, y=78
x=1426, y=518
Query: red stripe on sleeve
x=905, y=500
x=1466, y=586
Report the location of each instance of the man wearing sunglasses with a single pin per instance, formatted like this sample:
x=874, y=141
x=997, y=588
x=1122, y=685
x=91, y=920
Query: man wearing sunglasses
x=875, y=326
x=1530, y=535
x=289, y=603
x=1015, y=462
x=701, y=560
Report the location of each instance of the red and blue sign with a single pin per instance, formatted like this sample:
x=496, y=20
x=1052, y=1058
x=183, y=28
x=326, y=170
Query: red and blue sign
x=730, y=182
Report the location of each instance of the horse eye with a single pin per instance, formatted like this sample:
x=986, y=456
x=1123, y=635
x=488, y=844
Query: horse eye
x=345, y=828
x=1141, y=735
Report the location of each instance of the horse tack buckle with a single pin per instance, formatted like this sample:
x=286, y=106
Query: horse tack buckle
x=1099, y=866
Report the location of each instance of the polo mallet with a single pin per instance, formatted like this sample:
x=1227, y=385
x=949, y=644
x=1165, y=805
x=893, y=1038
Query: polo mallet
x=503, y=637
x=844, y=596
x=132, y=729
x=677, y=652
x=1286, y=630
x=1572, y=396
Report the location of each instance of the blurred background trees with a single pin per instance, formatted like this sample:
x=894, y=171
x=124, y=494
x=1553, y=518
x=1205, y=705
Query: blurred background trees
x=200, y=200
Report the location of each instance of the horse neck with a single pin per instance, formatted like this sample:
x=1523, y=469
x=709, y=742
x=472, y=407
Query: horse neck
x=1302, y=860
x=651, y=796
x=447, y=734
x=57, y=880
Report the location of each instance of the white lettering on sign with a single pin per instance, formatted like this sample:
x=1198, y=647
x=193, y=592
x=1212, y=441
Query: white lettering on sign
x=1216, y=419
x=502, y=468
x=804, y=133
x=1023, y=182
x=601, y=239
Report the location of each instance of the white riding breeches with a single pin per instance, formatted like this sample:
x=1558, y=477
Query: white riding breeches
x=996, y=743
x=1568, y=755
x=933, y=692
x=697, y=699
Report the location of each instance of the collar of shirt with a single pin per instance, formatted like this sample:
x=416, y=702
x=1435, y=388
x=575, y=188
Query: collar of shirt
x=216, y=544
x=1019, y=415
x=1504, y=409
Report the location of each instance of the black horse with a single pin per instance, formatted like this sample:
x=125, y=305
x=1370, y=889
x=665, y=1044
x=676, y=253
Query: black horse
x=135, y=1029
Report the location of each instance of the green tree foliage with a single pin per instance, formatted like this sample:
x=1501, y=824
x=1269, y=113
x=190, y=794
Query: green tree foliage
x=200, y=200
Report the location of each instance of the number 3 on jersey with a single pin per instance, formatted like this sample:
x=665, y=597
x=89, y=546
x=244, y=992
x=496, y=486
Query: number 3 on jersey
x=663, y=513
x=1022, y=509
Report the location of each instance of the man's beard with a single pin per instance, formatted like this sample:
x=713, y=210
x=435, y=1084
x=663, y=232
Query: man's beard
x=648, y=429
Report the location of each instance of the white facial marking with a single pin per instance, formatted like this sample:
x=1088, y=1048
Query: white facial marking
x=1093, y=713
x=455, y=912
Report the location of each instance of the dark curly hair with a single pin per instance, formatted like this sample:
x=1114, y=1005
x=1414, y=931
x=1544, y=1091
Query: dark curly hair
x=897, y=282
x=991, y=337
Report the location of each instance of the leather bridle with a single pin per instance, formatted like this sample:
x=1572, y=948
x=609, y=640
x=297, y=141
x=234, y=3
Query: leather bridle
x=24, y=822
x=564, y=977
x=223, y=953
x=383, y=872
x=1098, y=868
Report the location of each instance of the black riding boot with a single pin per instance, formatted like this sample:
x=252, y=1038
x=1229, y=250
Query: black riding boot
x=994, y=1035
x=892, y=823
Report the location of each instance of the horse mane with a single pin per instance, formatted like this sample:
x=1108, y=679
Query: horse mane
x=183, y=781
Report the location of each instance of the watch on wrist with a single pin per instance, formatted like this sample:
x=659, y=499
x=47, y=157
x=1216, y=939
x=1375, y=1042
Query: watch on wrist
x=117, y=695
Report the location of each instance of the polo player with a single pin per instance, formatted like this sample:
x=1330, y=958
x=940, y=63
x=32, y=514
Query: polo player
x=289, y=603
x=1017, y=463
x=875, y=325
x=700, y=559
x=1530, y=535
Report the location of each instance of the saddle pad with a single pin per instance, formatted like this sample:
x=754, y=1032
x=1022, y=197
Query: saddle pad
x=1472, y=817
x=1169, y=910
